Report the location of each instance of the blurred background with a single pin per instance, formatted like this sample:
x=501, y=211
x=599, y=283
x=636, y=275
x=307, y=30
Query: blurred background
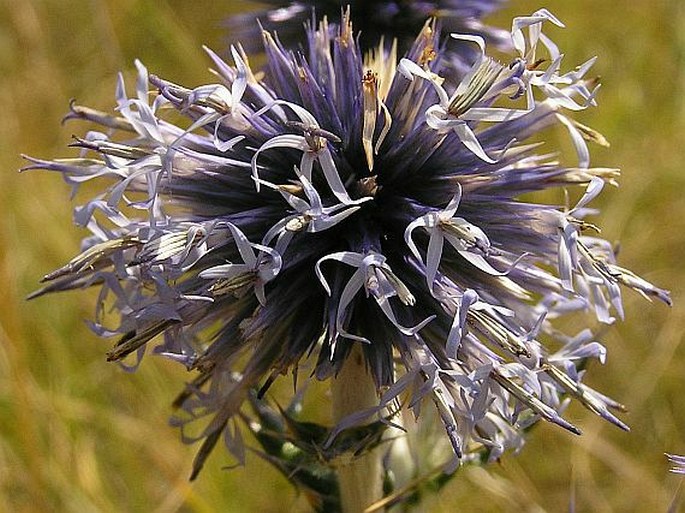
x=80, y=435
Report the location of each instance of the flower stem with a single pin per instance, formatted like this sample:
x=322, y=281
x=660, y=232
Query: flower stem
x=360, y=479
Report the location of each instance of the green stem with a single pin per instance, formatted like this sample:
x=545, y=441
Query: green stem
x=360, y=479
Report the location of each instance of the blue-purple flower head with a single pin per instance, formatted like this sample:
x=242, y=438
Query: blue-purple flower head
x=389, y=21
x=251, y=228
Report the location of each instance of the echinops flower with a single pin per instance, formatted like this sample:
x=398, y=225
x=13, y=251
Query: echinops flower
x=253, y=227
x=395, y=21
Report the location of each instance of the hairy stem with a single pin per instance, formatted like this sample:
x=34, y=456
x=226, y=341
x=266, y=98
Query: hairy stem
x=360, y=479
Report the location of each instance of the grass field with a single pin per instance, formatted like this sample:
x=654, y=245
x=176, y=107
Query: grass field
x=79, y=435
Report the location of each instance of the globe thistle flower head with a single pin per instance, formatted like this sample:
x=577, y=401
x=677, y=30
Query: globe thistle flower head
x=375, y=21
x=348, y=200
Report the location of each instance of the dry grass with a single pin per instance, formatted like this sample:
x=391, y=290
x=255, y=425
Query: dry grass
x=78, y=435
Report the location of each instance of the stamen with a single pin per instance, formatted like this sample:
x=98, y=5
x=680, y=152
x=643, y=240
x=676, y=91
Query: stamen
x=370, y=90
x=476, y=88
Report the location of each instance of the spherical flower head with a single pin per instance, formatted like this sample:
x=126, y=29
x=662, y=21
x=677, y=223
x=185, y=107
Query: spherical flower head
x=376, y=21
x=253, y=227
